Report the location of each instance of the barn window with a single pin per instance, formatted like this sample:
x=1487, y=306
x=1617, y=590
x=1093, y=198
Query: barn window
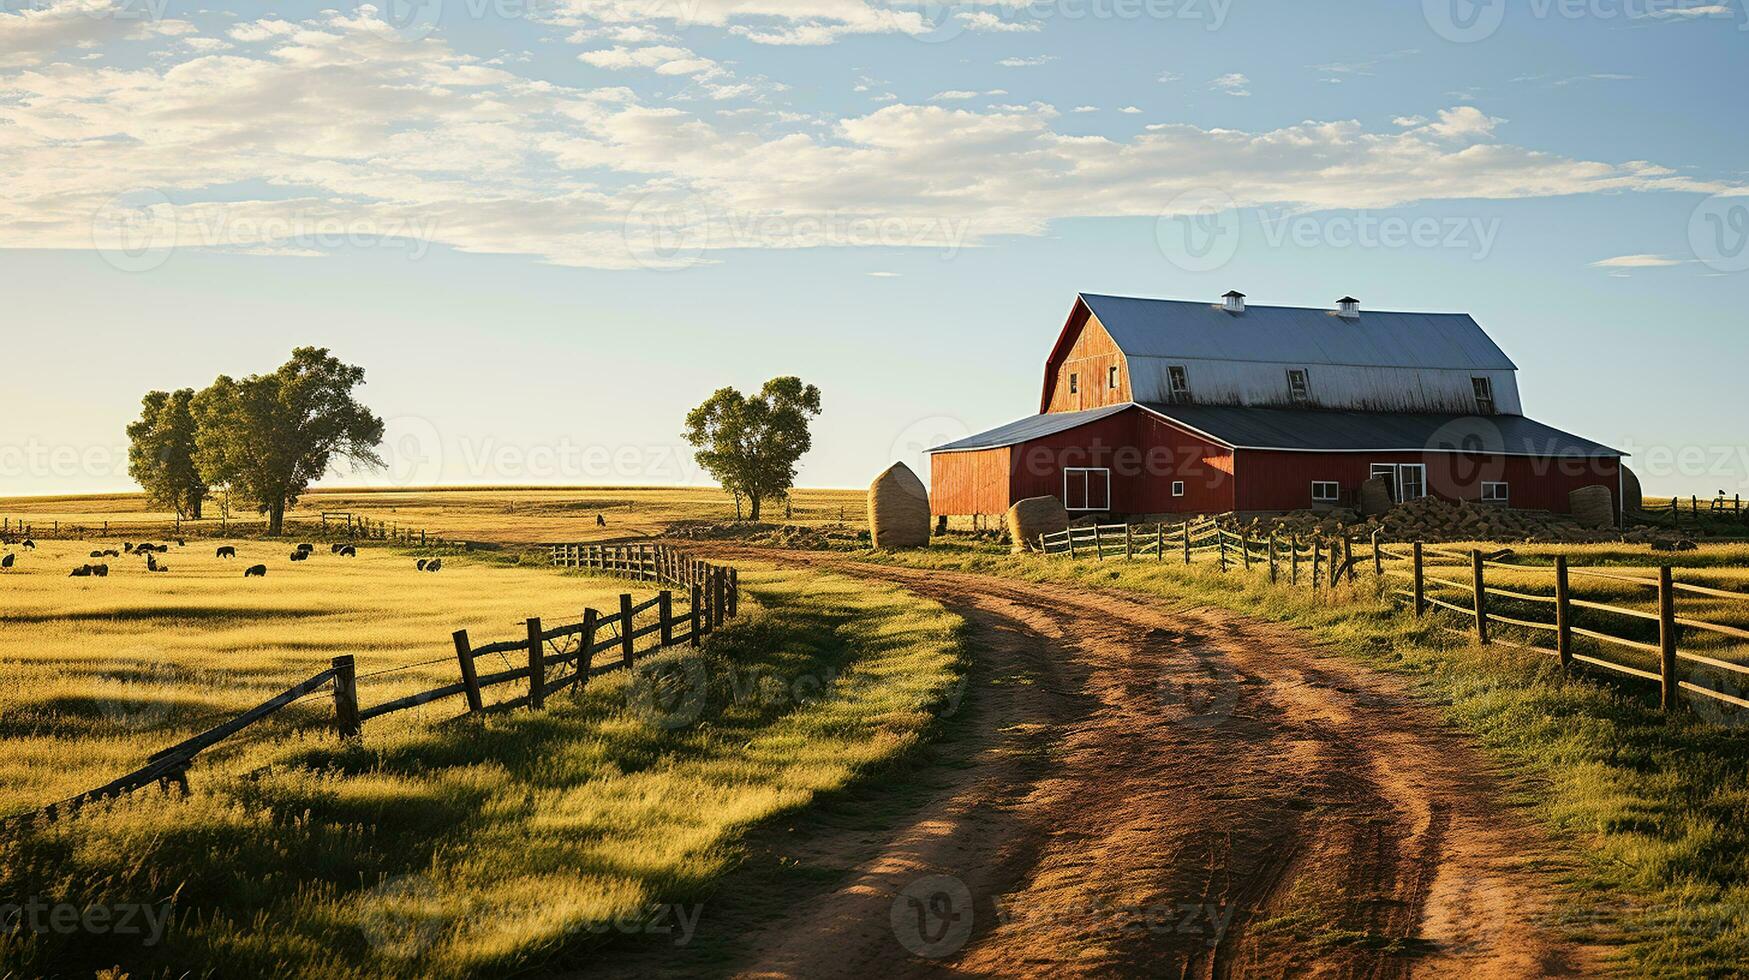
x=1179, y=382
x=1407, y=481
x=1074, y=382
x=1177, y=488
x=1484, y=388
x=1298, y=391
x=1326, y=491
x=1111, y=378
x=1086, y=488
x=1495, y=493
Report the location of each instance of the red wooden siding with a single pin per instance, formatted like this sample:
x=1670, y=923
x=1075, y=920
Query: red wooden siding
x=971, y=482
x=1283, y=481
x=1086, y=351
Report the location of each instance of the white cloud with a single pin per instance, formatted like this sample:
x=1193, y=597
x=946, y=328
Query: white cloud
x=953, y=95
x=1167, y=77
x=886, y=275
x=1130, y=110
x=1463, y=122
x=1085, y=108
x=36, y=32
x=783, y=22
x=985, y=21
x=1043, y=59
x=1636, y=262
x=1232, y=84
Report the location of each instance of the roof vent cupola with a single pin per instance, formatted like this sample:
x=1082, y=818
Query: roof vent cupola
x=1348, y=308
x=1233, y=301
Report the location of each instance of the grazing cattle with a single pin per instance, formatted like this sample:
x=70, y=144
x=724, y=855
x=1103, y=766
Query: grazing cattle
x=127, y=546
x=153, y=566
x=227, y=551
x=95, y=554
x=299, y=555
x=422, y=563
x=255, y=571
x=600, y=521
x=83, y=571
x=180, y=543
x=6, y=562
x=436, y=564
x=28, y=544
x=101, y=571
x=349, y=552
x=306, y=548
x=334, y=549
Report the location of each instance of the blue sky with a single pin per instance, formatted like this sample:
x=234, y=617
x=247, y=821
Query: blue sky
x=548, y=227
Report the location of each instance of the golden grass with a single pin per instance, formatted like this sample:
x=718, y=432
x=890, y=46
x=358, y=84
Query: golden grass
x=519, y=515
x=472, y=847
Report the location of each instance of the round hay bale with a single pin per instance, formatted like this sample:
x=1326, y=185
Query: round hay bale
x=1375, y=496
x=1035, y=516
x=898, y=509
x=1592, y=507
x=1633, y=497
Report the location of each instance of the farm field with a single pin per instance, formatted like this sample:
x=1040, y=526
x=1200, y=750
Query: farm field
x=427, y=848
x=509, y=515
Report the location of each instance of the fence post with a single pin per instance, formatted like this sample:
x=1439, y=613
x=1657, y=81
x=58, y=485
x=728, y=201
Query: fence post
x=1129, y=542
x=1098, y=544
x=345, y=696
x=1293, y=559
x=1317, y=558
x=694, y=612
x=719, y=590
x=625, y=627
x=1160, y=541
x=734, y=600
x=665, y=607
x=1221, y=537
x=1378, y=560
x=1667, y=638
x=1273, y=559
x=464, y=655
x=1479, y=591
x=1071, y=533
x=586, y=647
x=537, y=667
x=1186, y=530
x=1420, y=584
x=1348, y=555
x=1563, y=614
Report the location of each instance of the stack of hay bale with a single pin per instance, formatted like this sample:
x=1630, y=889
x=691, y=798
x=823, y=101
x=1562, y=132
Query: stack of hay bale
x=1035, y=516
x=1375, y=497
x=898, y=509
x=1592, y=507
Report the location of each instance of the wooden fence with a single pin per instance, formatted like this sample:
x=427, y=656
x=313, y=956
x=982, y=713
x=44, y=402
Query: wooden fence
x=556, y=658
x=330, y=526
x=1718, y=507
x=1420, y=572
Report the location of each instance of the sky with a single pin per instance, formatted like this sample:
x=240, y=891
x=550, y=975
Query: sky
x=547, y=228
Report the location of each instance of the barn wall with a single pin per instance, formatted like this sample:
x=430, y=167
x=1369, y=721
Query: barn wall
x=1263, y=384
x=1091, y=356
x=1283, y=481
x=972, y=482
x=1108, y=442
x=1176, y=454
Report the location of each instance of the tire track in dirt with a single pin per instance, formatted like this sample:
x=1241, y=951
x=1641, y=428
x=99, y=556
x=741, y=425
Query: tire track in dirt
x=1177, y=794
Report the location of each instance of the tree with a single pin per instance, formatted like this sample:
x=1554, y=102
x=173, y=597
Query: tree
x=751, y=445
x=269, y=436
x=161, y=452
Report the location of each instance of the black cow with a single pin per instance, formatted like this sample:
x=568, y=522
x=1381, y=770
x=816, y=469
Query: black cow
x=349, y=552
x=422, y=563
x=127, y=546
x=299, y=555
x=334, y=549
x=95, y=554
x=181, y=543
x=255, y=571
x=101, y=571
x=153, y=566
x=600, y=521
x=227, y=551
x=28, y=544
x=306, y=547
x=7, y=561
x=435, y=565
x=83, y=571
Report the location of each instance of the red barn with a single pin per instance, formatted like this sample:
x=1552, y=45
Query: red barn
x=1166, y=406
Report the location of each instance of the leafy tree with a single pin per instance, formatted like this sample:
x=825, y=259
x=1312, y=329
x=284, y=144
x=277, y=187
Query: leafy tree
x=751, y=445
x=161, y=452
x=269, y=436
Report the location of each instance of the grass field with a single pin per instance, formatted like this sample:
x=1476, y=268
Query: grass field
x=1655, y=810
x=514, y=515
x=430, y=848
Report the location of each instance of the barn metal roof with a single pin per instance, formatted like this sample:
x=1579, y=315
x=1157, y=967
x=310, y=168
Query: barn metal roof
x=1337, y=431
x=1192, y=330
x=1030, y=428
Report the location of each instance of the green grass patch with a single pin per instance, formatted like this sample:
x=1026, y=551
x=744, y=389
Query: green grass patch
x=1653, y=810
x=480, y=847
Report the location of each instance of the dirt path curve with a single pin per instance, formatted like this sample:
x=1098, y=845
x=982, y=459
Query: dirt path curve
x=1171, y=794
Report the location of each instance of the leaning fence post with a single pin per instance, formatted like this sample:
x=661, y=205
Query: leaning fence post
x=464, y=656
x=1667, y=638
x=1563, y=614
x=1221, y=538
x=694, y=612
x=1479, y=591
x=626, y=639
x=586, y=646
x=1245, y=545
x=537, y=667
x=345, y=696
x=665, y=608
x=1420, y=584
x=1273, y=559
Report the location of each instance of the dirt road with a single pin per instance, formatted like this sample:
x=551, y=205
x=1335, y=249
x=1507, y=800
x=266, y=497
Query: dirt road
x=1166, y=794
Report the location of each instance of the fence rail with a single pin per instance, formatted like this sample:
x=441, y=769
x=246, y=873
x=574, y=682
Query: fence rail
x=557, y=657
x=329, y=525
x=1427, y=583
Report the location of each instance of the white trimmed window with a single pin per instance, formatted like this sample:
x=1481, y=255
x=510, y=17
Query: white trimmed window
x=1074, y=383
x=1326, y=491
x=1177, y=488
x=1179, y=382
x=1086, y=488
x=1484, y=388
x=1495, y=493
